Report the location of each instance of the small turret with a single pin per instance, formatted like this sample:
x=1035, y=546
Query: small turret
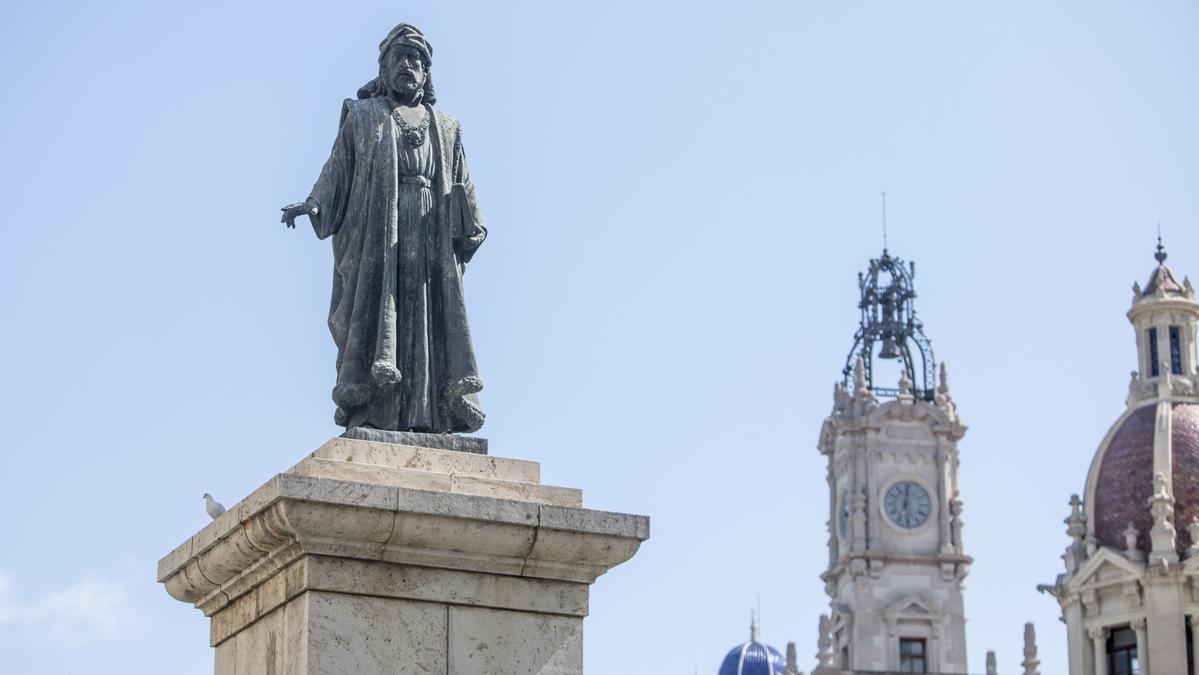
x=1164, y=315
x=1030, y=650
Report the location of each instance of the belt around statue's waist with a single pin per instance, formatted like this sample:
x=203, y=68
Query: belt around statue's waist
x=419, y=181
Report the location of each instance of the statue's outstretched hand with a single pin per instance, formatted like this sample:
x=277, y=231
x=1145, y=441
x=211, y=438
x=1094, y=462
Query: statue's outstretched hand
x=292, y=211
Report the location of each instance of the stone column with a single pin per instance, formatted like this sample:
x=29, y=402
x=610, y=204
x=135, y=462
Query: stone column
x=1187, y=334
x=944, y=497
x=1163, y=345
x=1142, y=351
x=890, y=651
x=1166, y=622
x=1099, y=640
x=934, y=652
x=835, y=543
x=858, y=521
x=373, y=558
x=869, y=488
x=1138, y=625
x=1078, y=644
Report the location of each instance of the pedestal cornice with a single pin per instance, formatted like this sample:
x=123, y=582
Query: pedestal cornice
x=293, y=516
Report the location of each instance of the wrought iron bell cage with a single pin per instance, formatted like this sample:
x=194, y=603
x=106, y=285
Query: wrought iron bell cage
x=889, y=318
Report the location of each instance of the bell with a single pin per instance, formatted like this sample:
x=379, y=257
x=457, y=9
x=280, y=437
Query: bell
x=890, y=350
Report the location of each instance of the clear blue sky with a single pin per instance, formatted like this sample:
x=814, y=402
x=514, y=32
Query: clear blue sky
x=680, y=196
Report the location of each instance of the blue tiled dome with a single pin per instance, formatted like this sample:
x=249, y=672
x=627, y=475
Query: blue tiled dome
x=753, y=658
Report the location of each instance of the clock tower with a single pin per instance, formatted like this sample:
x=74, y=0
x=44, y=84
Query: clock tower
x=896, y=561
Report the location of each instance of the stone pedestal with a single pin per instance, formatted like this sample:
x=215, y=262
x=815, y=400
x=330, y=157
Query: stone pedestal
x=372, y=557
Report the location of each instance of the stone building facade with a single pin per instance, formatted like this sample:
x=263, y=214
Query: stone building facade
x=896, y=560
x=1129, y=594
x=1130, y=591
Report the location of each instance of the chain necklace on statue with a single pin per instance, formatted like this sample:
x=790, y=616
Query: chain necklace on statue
x=414, y=136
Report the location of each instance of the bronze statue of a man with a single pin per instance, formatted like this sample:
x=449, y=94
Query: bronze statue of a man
x=397, y=199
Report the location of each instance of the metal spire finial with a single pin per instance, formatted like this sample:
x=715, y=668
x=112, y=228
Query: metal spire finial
x=884, y=223
x=1160, y=256
x=753, y=627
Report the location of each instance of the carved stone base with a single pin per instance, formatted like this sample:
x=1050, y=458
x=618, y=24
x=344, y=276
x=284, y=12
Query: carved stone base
x=376, y=558
x=439, y=441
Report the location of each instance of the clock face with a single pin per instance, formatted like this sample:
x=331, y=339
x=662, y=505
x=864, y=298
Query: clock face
x=845, y=514
x=907, y=504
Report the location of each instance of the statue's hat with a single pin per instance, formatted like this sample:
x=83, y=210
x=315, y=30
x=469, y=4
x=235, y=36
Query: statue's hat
x=410, y=36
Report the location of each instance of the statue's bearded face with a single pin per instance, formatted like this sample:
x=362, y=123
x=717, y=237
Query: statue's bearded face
x=404, y=73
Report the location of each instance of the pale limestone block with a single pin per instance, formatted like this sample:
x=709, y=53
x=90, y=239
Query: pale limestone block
x=175, y=559
x=360, y=635
x=235, y=585
x=383, y=579
x=446, y=586
x=429, y=459
x=469, y=507
x=491, y=641
x=340, y=516
x=218, y=529
x=597, y=522
x=225, y=653
x=361, y=495
x=271, y=594
x=341, y=530
x=488, y=535
x=578, y=556
x=294, y=616
x=438, y=542
x=296, y=579
x=233, y=617
x=236, y=554
x=257, y=648
x=529, y=492
x=238, y=614
x=188, y=584
x=258, y=499
x=374, y=473
x=418, y=479
x=265, y=570
x=267, y=529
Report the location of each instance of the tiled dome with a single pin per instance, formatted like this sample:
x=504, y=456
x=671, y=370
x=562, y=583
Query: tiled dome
x=753, y=658
x=1124, y=479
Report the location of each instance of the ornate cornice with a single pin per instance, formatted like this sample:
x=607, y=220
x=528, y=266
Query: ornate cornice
x=293, y=515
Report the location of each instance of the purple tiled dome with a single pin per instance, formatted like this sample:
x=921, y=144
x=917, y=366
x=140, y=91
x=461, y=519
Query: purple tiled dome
x=1185, y=440
x=1124, y=481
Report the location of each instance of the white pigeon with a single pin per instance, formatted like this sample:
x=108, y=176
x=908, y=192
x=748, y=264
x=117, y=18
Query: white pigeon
x=212, y=506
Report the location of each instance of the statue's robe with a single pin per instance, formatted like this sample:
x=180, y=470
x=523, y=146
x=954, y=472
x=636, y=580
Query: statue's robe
x=398, y=316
